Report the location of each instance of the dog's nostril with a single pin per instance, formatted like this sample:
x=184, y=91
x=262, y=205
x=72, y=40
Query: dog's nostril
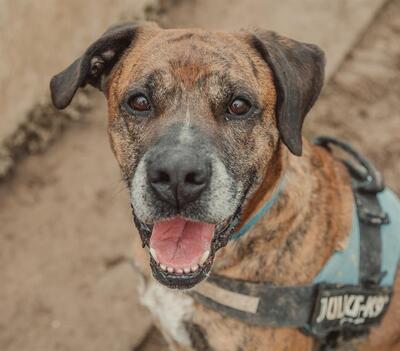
x=162, y=177
x=195, y=178
x=191, y=178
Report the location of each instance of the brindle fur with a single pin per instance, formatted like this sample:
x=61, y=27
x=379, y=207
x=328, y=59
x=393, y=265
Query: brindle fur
x=196, y=70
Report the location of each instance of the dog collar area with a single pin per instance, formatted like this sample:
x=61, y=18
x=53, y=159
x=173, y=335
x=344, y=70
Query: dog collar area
x=350, y=294
x=261, y=212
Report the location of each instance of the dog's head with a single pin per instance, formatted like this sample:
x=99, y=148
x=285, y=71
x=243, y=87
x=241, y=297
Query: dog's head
x=195, y=119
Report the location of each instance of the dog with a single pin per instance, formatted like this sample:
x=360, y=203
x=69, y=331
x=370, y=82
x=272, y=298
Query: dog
x=206, y=127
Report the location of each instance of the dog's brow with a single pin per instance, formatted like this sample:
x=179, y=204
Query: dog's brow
x=154, y=78
x=237, y=86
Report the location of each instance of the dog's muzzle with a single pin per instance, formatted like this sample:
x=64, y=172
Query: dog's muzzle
x=183, y=199
x=179, y=247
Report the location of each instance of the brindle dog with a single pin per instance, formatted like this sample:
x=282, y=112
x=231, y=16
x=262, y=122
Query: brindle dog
x=204, y=125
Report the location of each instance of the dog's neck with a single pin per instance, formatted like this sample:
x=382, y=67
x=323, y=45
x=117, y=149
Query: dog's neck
x=309, y=221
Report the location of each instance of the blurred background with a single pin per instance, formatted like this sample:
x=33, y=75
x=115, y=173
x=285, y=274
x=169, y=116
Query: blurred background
x=65, y=227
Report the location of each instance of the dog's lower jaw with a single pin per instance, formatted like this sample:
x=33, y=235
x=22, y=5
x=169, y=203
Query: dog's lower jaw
x=181, y=281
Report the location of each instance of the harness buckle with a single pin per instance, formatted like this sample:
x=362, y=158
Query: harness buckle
x=372, y=217
x=369, y=214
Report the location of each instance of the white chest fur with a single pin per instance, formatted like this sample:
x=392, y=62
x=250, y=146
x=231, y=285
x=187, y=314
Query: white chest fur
x=171, y=308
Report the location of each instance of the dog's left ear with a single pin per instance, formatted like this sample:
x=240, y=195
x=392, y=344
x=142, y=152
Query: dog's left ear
x=94, y=65
x=298, y=70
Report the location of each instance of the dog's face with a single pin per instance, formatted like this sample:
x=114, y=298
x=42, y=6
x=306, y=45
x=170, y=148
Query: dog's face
x=195, y=119
x=192, y=125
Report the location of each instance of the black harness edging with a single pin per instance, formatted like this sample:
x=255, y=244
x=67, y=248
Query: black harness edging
x=309, y=307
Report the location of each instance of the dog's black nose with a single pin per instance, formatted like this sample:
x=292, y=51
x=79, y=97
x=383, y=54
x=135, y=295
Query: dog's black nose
x=178, y=176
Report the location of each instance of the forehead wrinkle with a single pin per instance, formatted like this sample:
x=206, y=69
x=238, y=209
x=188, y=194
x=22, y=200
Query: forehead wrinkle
x=188, y=74
x=195, y=53
x=154, y=78
x=188, y=67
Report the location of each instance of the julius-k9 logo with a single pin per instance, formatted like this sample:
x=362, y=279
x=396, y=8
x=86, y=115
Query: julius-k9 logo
x=354, y=308
x=349, y=305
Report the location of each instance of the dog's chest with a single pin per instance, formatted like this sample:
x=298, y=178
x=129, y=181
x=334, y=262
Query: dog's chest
x=171, y=309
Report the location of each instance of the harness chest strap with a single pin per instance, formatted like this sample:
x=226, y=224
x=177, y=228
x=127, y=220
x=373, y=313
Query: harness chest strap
x=316, y=309
x=257, y=304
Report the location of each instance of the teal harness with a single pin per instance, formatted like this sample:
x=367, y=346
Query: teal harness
x=352, y=291
x=343, y=266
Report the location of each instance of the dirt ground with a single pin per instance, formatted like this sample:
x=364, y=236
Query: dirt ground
x=66, y=279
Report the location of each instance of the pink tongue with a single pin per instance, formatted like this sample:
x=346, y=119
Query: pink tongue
x=180, y=243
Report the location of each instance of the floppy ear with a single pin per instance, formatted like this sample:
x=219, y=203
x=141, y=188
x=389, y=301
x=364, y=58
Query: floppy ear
x=94, y=65
x=298, y=70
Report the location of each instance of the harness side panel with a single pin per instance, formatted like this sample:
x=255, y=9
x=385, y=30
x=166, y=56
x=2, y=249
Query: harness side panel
x=390, y=233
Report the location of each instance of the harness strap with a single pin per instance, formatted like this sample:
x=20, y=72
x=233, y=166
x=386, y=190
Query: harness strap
x=257, y=304
x=370, y=217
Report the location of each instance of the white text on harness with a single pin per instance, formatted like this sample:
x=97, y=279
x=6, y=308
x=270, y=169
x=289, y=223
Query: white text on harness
x=351, y=308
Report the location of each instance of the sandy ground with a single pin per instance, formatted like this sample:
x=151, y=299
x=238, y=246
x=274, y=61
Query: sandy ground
x=66, y=281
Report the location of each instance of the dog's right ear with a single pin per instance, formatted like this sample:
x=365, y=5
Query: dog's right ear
x=94, y=65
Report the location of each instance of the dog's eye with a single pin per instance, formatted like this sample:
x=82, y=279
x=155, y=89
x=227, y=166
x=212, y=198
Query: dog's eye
x=239, y=107
x=139, y=103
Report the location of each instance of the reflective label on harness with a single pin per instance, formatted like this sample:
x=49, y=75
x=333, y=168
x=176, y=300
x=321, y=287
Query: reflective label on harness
x=354, y=307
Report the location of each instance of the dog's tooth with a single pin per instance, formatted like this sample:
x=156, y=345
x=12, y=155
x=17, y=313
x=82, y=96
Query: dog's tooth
x=194, y=268
x=204, y=257
x=170, y=270
x=186, y=270
x=163, y=266
x=179, y=271
x=153, y=254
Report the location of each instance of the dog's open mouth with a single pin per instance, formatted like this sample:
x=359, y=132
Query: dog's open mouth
x=181, y=251
x=179, y=245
